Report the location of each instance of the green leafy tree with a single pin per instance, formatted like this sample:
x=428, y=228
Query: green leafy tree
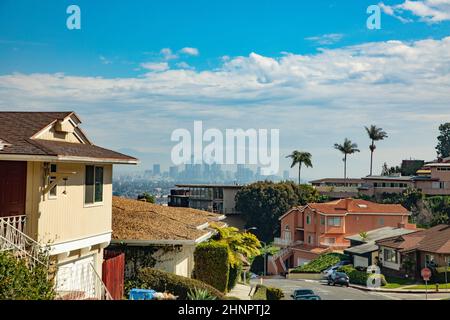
x=443, y=146
x=348, y=147
x=363, y=235
x=262, y=203
x=300, y=157
x=375, y=134
x=147, y=197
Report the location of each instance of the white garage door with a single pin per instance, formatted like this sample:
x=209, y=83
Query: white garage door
x=360, y=261
x=302, y=261
x=76, y=278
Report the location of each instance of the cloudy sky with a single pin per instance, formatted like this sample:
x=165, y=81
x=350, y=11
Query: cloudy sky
x=136, y=72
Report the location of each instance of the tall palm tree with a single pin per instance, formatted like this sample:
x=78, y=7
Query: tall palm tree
x=300, y=157
x=346, y=148
x=375, y=134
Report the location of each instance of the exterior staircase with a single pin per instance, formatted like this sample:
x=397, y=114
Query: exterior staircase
x=89, y=286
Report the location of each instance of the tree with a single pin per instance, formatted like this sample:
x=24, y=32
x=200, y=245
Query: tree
x=147, y=197
x=348, y=147
x=375, y=134
x=262, y=203
x=363, y=235
x=300, y=157
x=443, y=146
x=389, y=171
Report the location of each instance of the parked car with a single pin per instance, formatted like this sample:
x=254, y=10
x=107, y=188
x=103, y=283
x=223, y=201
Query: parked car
x=299, y=293
x=330, y=270
x=309, y=297
x=338, y=278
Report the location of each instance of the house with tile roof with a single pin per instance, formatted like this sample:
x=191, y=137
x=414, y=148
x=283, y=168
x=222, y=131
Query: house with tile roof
x=159, y=237
x=316, y=228
x=56, y=193
x=408, y=254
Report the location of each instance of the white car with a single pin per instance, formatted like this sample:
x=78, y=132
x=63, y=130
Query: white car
x=329, y=271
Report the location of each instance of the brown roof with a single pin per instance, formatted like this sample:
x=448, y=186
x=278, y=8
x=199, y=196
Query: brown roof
x=435, y=239
x=138, y=220
x=349, y=205
x=18, y=128
x=337, y=180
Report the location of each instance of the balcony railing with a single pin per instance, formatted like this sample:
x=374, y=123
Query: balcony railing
x=327, y=244
x=282, y=242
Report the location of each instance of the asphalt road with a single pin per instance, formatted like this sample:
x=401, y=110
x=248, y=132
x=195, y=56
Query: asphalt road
x=342, y=293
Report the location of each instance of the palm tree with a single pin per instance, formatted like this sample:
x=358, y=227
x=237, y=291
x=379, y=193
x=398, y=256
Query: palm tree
x=375, y=134
x=348, y=147
x=300, y=157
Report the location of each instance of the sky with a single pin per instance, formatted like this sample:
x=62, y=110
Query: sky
x=136, y=71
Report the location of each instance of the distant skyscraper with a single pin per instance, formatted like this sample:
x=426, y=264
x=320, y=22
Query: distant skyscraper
x=173, y=172
x=156, y=170
x=286, y=175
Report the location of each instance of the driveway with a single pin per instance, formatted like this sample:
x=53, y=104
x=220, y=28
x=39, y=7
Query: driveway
x=342, y=293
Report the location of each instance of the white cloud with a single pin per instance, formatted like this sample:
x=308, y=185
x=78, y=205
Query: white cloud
x=190, y=51
x=168, y=54
x=326, y=39
x=155, y=66
x=184, y=65
x=315, y=100
x=430, y=11
x=104, y=60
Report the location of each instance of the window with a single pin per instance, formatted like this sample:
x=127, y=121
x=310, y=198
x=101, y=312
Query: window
x=438, y=185
x=52, y=178
x=381, y=221
x=390, y=255
x=334, y=221
x=429, y=259
x=322, y=220
x=310, y=239
x=93, y=185
x=308, y=219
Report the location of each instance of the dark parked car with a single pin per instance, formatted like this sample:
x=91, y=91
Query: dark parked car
x=299, y=293
x=309, y=297
x=338, y=278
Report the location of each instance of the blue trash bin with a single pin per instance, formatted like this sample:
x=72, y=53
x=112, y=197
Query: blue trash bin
x=141, y=294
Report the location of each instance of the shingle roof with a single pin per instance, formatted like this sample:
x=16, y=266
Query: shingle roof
x=349, y=205
x=435, y=239
x=18, y=128
x=137, y=220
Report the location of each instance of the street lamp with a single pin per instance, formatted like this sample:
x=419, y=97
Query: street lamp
x=264, y=248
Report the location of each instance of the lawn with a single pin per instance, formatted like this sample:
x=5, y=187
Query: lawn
x=431, y=286
x=394, y=282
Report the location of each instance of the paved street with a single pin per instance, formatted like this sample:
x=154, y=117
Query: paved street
x=342, y=293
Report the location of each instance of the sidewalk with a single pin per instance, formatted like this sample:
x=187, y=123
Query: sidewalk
x=240, y=291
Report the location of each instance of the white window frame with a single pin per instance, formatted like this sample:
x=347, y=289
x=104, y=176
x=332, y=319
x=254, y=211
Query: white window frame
x=331, y=221
x=98, y=203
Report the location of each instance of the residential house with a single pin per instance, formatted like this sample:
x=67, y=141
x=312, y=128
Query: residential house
x=56, y=191
x=209, y=197
x=408, y=254
x=337, y=188
x=363, y=251
x=315, y=228
x=158, y=236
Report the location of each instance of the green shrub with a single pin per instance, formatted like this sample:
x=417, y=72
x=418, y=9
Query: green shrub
x=274, y=294
x=233, y=276
x=211, y=264
x=321, y=263
x=19, y=282
x=200, y=294
x=161, y=281
x=260, y=292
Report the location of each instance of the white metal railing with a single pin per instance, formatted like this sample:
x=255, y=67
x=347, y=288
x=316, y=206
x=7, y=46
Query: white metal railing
x=80, y=282
x=280, y=253
x=282, y=242
x=12, y=238
x=333, y=244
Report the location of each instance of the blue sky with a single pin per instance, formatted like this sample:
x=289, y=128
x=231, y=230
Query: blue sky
x=313, y=70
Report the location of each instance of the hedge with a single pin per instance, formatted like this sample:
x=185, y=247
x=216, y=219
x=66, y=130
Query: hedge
x=161, y=281
x=19, y=282
x=267, y=293
x=321, y=263
x=233, y=276
x=211, y=264
x=359, y=277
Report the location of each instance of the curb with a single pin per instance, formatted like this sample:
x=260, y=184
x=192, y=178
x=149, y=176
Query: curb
x=398, y=290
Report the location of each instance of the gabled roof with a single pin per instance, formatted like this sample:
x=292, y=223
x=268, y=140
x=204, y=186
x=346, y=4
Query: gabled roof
x=435, y=239
x=135, y=222
x=381, y=233
x=19, y=136
x=356, y=206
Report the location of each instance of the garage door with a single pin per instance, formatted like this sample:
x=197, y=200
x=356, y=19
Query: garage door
x=76, y=279
x=181, y=268
x=360, y=261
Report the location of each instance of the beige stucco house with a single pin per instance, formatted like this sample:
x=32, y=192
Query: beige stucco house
x=56, y=191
